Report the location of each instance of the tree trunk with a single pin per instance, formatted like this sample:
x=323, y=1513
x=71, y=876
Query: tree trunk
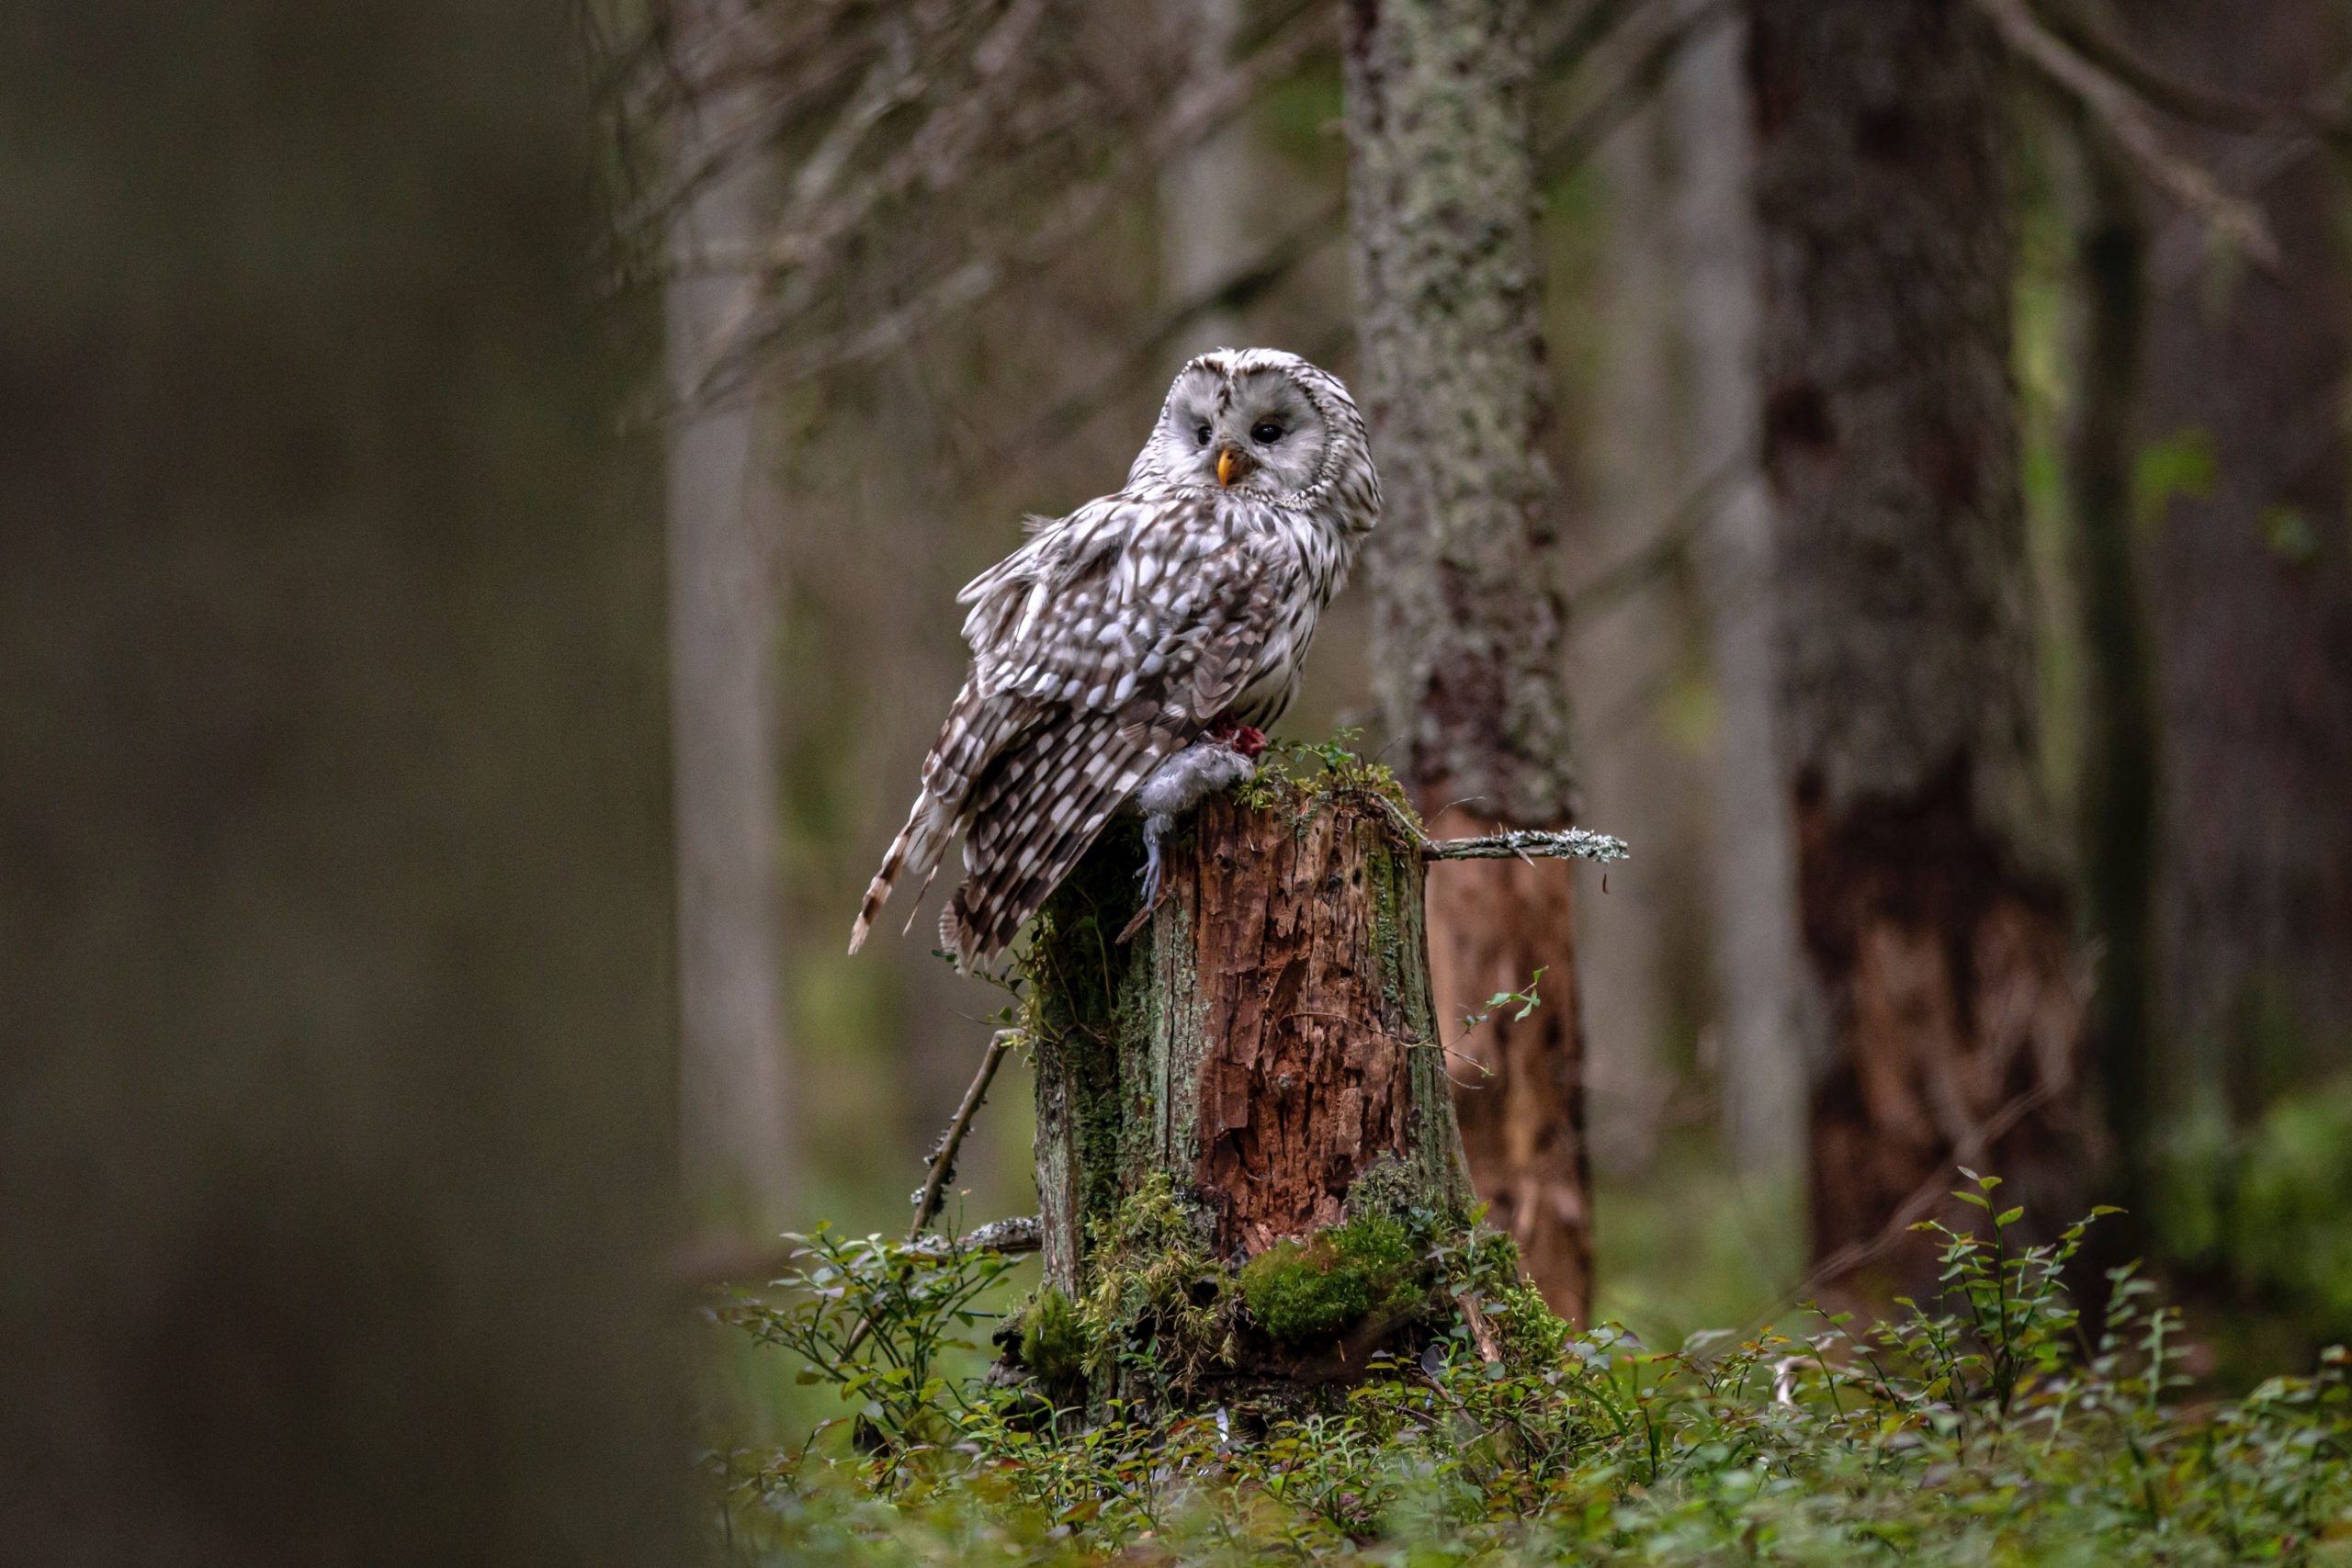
x=1260, y=1064
x=1628, y=658
x=336, y=927
x=1764, y=1069
x=1935, y=922
x=1467, y=623
x=723, y=505
x=2252, y=582
x=1207, y=218
x=2117, y=808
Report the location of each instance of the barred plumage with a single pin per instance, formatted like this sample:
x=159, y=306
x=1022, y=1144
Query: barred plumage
x=1116, y=635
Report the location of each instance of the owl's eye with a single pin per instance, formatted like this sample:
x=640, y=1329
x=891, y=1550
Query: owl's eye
x=1266, y=433
x=1201, y=436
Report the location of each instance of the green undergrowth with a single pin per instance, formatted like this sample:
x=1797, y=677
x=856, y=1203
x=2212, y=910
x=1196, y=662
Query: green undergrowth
x=2251, y=1218
x=1991, y=1425
x=1299, y=778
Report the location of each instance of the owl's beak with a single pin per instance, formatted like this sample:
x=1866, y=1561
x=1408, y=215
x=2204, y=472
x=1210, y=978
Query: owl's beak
x=1232, y=463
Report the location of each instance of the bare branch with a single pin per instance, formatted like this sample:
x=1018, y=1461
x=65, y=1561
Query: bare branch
x=934, y=157
x=1022, y=1233
x=942, y=1161
x=2317, y=119
x=1667, y=546
x=1629, y=44
x=1194, y=114
x=1528, y=844
x=2128, y=120
x=1629, y=84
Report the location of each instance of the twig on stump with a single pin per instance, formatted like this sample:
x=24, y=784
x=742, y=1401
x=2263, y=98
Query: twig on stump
x=942, y=1161
x=1482, y=1332
x=1022, y=1233
x=1511, y=843
x=934, y=1193
x=1527, y=843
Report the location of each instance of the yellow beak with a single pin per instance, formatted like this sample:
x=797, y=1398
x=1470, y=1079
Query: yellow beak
x=1228, y=465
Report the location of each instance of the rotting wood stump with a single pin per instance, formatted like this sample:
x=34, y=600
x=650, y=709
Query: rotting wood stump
x=1250, y=1176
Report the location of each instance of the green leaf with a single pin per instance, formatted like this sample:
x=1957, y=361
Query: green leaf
x=2010, y=1216
x=2183, y=464
x=2292, y=534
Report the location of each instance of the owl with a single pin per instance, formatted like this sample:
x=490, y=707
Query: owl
x=1127, y=656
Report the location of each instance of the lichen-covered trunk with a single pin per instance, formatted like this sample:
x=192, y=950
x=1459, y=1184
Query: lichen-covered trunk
x=1261, y=1060
x=1467, y=622
x=2252, y=580
x=1935, y=920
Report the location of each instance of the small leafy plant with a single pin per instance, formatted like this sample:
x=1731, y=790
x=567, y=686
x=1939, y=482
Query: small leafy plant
x=876, y=1319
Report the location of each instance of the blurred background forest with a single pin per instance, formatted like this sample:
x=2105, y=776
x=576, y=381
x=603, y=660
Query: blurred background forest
x=488, y=488
x=986, y=235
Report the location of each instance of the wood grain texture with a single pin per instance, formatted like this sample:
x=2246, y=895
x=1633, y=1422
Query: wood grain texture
x=1519, y=1082
x=1267, y=1039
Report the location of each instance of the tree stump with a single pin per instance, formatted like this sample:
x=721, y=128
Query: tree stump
x=1247, y=1162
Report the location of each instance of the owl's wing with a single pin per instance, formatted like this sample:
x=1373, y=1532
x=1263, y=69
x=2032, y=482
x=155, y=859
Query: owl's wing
x=1129, y=628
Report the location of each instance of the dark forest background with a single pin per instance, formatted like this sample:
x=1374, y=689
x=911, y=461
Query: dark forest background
x=2080, y=271
x=486, y=492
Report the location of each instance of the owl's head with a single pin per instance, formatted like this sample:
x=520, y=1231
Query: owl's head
x=1257, y=420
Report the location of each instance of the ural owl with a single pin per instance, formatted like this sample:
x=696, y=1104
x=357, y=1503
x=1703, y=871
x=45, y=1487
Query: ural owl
x=1129, y=652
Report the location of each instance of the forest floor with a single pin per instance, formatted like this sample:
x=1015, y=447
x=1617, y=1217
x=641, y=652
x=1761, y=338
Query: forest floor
x=1994, y=1426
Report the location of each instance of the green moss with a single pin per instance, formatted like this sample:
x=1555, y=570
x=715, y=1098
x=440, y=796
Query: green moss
x=1389, y=1187
x=1154, y=1296
x=1296, y=1292
x=1301, y=780
x=1054, y=1344
x=1379, y=1248
x=1080, y=986
x=1532, y=1335
x=1300, y=1292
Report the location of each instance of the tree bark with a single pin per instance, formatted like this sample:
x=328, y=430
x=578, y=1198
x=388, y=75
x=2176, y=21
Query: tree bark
x=2252, y=582
x=1935, y=920
x=1207, y=218
x=1627, y=658
x=335, y=922
x=1753, y=856
x=723, y=518
x=2117, y=808
x=1467, y=623
x=1263, y=1047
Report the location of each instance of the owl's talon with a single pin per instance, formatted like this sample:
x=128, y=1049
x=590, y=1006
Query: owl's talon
x=1154, y=830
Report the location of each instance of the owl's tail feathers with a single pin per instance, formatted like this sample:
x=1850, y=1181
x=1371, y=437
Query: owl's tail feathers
x=916, y=851
x=1079, y=776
